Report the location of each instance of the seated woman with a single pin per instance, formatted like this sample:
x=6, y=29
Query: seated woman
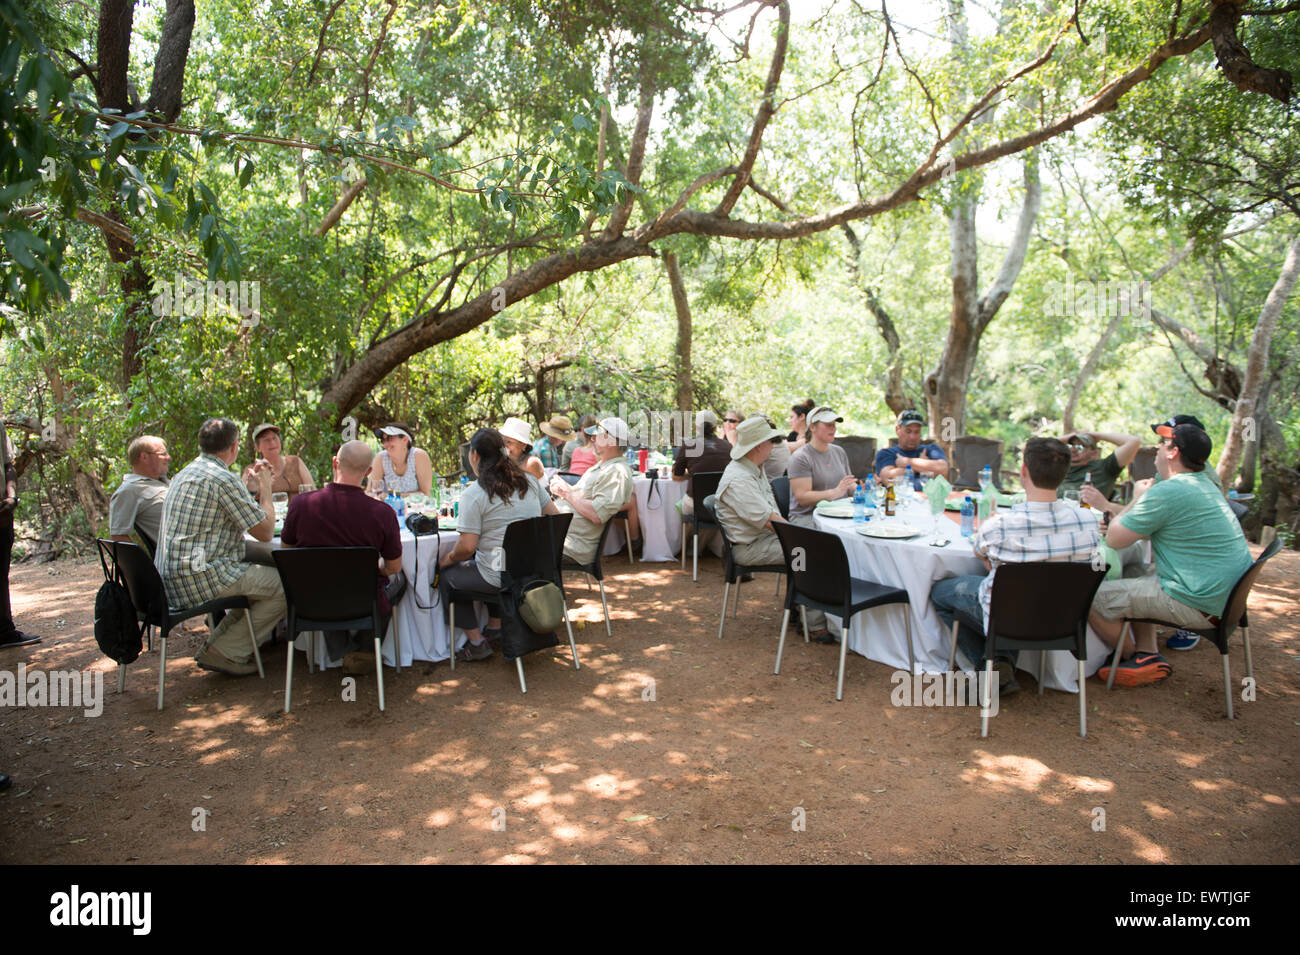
x=519, y=443
x=502, y=494
x=401, y=466
x=584, y=455
x=288, y=474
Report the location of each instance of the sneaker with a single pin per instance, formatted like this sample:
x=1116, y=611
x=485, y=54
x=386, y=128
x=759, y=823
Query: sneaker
x=19, y=639
x=1183, y=640
x=1139, y=670
x=823, y=636
x=210, y=659
x=358, y=664
x=473, y=652
x=1006, y=671
x=492, y=636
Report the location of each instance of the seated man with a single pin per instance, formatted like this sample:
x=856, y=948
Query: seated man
x=779, y=459
x=1041, y=528
x=1086, y=463
x=1199, y=549
x=138, y=502
x=708, y=452
x=923, y=458
x=341, y=514
x=205, y=515
x=603, y=490
x=747, y=508
x=559, y=434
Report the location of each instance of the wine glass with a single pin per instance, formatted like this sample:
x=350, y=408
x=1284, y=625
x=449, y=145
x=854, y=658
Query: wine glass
x=936, y=508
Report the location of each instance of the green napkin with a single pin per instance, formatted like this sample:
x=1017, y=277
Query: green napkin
x=937, y=490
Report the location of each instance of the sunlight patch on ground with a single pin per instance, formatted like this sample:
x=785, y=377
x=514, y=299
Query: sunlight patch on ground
x=1027, y=774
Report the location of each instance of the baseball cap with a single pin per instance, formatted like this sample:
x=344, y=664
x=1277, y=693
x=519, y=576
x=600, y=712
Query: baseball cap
x=823, y=413
x=613, y=426
x=1176, y=420
x=257, y=432
x=910, y=416
x=1193, y=444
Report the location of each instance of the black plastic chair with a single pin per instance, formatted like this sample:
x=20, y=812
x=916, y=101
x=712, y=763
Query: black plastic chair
x=818, y=576
x=624, y=515
x=781, y=490
x=331, y=588
x=149, y=598
x=150, y=545
x=534, y=550
x=970, y=455
x=861, y=452
x=592, y=569
x=733, y=570
x=701, y=486
x=1037, y=606
x=1234, y=615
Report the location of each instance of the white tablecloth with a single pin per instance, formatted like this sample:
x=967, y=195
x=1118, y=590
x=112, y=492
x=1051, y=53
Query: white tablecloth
x=914, y=565
x=661, y=521
x=424, y=632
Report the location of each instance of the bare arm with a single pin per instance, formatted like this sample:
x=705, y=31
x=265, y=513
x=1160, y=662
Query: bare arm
x=801, y=490
x=265, y=529
x=391, y=567
x=465, y=547
x=423, y=471
x=535, y=467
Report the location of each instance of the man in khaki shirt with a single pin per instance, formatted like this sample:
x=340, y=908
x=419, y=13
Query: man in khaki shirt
x=604, y=490
x=746, y=505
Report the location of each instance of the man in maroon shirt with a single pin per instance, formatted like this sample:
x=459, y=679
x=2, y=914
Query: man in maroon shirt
x=341, y=514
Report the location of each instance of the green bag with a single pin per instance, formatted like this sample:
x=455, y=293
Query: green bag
x=542, y=607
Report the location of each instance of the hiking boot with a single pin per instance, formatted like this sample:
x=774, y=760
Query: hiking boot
x=492, y=637
x=210, y=659
x=473, y=652
x=1139, y=670
x=1006, y=671
x=1183, y=640
x=358, y=664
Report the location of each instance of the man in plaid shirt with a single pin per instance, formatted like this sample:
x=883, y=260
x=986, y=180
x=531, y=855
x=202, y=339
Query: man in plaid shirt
x=1042, y=528
x=200, y=553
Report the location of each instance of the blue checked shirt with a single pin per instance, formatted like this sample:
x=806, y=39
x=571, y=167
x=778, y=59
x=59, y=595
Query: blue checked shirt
x=205, y=515
x=1035, y=531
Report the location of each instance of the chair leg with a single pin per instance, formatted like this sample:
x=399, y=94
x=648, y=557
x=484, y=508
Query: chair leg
x=844, y=647
x=726, y=589
x=1245, y=637
x=519, y=666
x=907, y=628
x=1083, y=703
x=777, y=592
x=605, y=607
x=1119, y=645
x=952, y=650
x=379, y=673
x=986, y=698
x=451, y=635
x=121, y=678
x=627, y=532
x=257, y=653
x=780, y=644
x=573, y=647
x=1042, y=669
x=695, y=557
x=288, y=674
x=803, y=615
x=735, y=610
x=162, y=666
x=311, y=651
x=1227, y=684
x=684, y=526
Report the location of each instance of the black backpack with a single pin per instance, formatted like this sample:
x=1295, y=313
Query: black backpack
x=116, y=629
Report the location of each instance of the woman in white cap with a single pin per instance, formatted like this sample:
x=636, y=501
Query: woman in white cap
x=519, y=442
x=400, y=466
x=288, y=473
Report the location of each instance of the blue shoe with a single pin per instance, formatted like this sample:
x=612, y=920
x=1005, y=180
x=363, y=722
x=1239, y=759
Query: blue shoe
x=1183, y=640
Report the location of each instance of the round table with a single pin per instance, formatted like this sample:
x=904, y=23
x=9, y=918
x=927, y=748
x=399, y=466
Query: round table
x=661, y=519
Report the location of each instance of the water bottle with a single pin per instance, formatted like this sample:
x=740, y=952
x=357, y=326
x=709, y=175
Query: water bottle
x=986, y=478
x=910, y=478
x=859, y=504
x=967, y=517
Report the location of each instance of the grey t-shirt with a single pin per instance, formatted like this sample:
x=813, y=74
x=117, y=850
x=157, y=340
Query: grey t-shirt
x=489, y=519
x=778, y=460
x=138, y=501
x=826, y=469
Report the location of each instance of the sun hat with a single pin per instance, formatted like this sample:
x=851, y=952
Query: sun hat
x=518, y=429
x=823, y=413
x=752, y=432
x=615, y=426
x=558, y=427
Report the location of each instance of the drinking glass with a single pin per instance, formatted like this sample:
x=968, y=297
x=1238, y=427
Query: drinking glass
x=1072, y=497
x=304, y=488
x=936, y=508
x=281, y=499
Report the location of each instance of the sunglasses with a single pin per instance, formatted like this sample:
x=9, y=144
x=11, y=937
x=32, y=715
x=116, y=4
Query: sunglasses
x=732, y=420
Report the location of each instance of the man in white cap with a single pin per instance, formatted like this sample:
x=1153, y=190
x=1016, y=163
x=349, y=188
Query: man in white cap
x=747, y=507
x=550, y=450
x=601, y=492
x=819, y=471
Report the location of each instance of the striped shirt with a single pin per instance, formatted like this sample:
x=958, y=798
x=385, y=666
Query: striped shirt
x=205, y=515
x=1035, y=531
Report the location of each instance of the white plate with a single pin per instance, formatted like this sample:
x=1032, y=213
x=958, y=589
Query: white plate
x=835, y=509
x=888, y=531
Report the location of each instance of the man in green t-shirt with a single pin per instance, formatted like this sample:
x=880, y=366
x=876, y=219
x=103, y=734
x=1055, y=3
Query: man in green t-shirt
x=1086, y=461
x=1199, y=550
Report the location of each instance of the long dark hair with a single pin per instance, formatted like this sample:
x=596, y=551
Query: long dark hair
x=498, y=475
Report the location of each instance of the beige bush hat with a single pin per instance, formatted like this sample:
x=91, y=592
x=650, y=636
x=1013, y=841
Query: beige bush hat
x=750, y=433
x=559, y=427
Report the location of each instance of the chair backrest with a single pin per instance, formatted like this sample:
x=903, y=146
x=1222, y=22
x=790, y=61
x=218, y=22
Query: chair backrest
x=1042, y=600
x=534, y=546
x=818, y=562
x=150, y=545
x=329, y=583
x=781, y=491
x=704, y=485
x=1235, y=608
x=462, y=452
x=143, y=582
x=970, y=454
x=1238, y=509
x=861, y=452
x=1143, y=465
x=708, y=508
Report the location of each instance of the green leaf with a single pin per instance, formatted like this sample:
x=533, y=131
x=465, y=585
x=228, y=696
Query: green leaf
x=246, y=174
x=117, y=129
x=205, y=227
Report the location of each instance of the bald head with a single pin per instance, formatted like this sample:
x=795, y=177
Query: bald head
x=353, y=461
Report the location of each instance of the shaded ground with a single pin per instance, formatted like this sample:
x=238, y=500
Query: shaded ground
x=586, y=768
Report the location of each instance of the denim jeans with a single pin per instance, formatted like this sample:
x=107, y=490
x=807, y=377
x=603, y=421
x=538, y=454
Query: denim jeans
x=959, y=598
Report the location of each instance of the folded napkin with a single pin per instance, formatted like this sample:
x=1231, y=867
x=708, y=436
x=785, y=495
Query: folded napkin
x=938, y=489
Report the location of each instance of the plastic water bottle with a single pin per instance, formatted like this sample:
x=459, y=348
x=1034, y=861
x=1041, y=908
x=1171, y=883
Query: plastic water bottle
x=859, y=504
x=394, y=500
x=911, y=479
x=986, y=478
x=967, y=517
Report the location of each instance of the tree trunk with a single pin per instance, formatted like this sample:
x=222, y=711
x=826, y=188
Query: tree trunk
x=894, y=396
x=682, y=304
x=1244, y=421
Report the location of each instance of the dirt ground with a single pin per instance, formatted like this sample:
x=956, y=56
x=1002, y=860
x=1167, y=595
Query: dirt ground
x=722, y=765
